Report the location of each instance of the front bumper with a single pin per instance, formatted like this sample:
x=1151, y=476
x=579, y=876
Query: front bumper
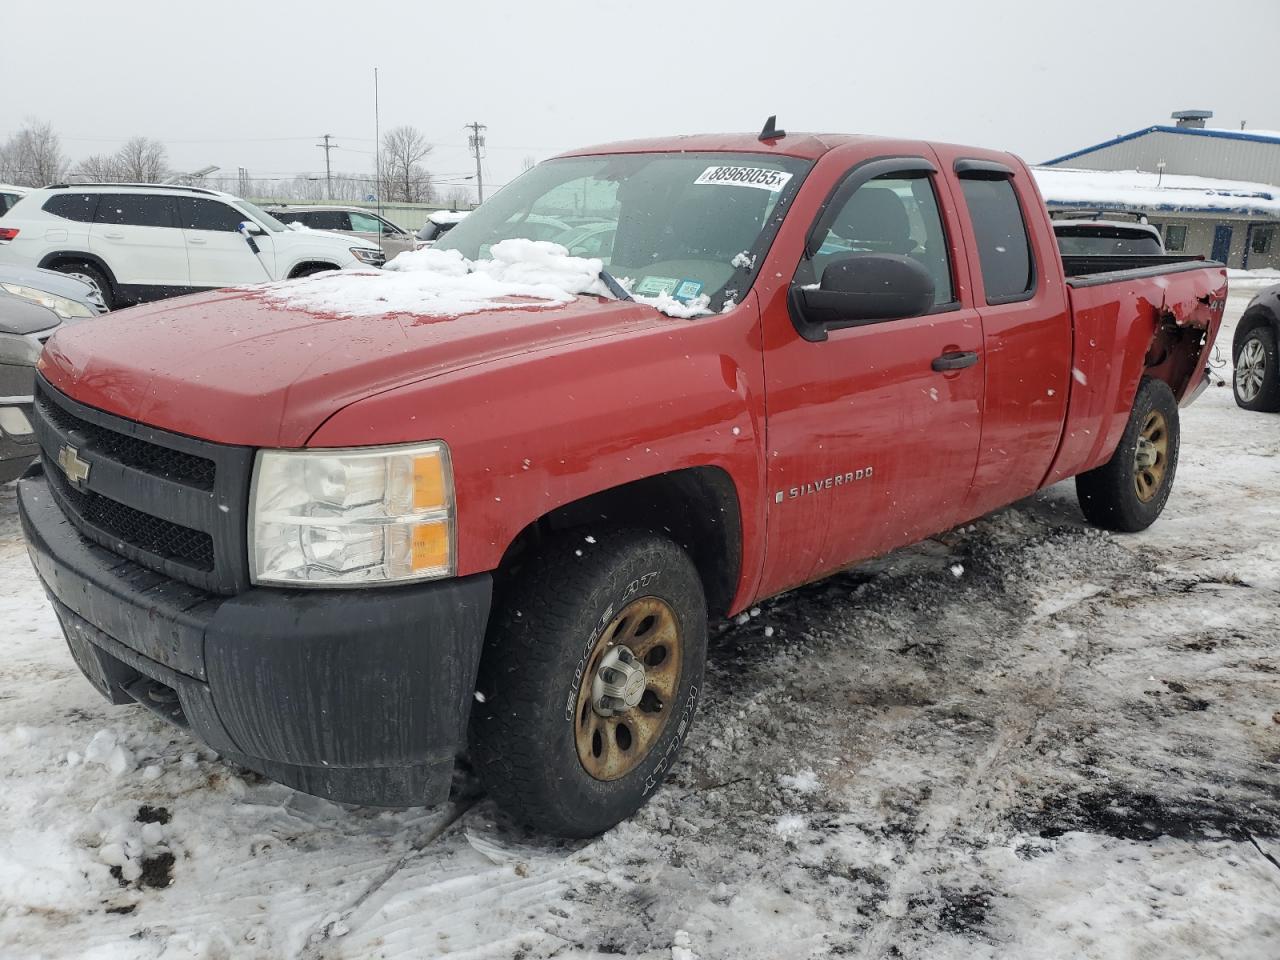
x=357, y=695
x=18, y=446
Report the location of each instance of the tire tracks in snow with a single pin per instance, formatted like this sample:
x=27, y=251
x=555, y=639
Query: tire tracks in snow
x=322, y=935
x=970, y=806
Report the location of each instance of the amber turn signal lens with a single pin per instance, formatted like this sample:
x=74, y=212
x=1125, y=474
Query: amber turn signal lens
x=428, y=482
x=430, y=546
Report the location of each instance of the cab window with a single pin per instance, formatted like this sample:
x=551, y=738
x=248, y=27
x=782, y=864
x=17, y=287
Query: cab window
x=200, y=214
x=889, y=214
x=135, y=210
x=326, y=220
x=363, y=223
x=1004, y=249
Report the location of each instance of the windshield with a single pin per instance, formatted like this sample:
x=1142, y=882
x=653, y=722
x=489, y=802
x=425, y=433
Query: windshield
x=683, y=225
x=264, y=218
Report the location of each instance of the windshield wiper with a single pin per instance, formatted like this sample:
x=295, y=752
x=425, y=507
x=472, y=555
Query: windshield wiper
x=617, y=289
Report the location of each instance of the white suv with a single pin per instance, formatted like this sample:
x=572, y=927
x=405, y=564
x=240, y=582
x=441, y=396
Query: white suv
x=139, y=242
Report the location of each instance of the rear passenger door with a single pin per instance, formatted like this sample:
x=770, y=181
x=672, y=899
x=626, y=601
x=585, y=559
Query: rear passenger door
x=871, y=446
x=137, y=235
x=1026, y=327
x=217, y=251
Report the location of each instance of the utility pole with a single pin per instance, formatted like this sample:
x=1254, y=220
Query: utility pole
x=328, y=172
x=476, y=143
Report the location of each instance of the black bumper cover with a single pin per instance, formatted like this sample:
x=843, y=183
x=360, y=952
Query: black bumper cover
x=361, y=695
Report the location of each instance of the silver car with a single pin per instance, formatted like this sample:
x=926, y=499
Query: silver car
x=356, y=221
x=34, y=305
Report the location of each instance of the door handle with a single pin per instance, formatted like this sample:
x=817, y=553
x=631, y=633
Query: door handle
x=196, y=240
x=956, y=360
x=112, y=235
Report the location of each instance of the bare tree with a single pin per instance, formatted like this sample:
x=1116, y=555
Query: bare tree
x=404, y=178
x=96, y=168
x=33, y=156
x=527, y=164
x=459, y=198
x=142, y=160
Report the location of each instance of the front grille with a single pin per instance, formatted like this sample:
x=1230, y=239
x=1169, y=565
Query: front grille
x=152, y=458
x=167, y=501
x=171, y=541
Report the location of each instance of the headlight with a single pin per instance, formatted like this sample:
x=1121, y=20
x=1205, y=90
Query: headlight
x=365, y=255
x=66, y=309
x=357, y=515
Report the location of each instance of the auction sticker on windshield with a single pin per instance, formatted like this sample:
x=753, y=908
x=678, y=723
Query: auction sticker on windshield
x=760, y=177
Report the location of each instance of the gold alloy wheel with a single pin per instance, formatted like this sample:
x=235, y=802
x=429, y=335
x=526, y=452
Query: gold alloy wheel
x=628, y=689
x=1151, y=458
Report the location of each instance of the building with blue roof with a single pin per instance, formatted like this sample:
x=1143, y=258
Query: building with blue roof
x=1212, y=191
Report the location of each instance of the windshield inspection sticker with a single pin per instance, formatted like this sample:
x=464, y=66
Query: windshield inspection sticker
x=688, y=289
x=656, y=286
x=760, y=177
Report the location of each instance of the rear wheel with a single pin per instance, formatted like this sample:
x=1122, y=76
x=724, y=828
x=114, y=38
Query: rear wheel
x=92, y=276
x=1129, y=491
x=1257, y=376
x=590, y=679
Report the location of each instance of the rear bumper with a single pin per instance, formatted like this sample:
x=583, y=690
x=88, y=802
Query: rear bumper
x=361, y=696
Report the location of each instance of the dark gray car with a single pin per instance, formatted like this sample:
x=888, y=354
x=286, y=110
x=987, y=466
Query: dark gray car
x=34, y=305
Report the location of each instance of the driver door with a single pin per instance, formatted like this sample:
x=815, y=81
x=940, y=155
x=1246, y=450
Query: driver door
x=871, y=445
x=217, y=252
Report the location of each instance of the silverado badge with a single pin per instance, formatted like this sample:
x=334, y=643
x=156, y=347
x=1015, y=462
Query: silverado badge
x=77, y=470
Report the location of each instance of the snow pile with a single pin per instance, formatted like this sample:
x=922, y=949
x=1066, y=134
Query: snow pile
x=522, y=274
x=1133, y=189
x=1251, y=280
x=443, y=217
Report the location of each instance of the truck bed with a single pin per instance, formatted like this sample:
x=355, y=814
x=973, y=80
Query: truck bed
x=1089, y=269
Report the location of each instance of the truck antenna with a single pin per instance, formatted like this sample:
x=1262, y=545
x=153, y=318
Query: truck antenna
x=771, y=131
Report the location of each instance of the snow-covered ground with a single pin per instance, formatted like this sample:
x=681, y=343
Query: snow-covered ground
x=1023, y=739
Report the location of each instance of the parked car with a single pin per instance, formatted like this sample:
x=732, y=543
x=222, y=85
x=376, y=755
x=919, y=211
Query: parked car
x=356, y=221
x=331, y=547
x=1108, y=238
x=589, y=240
x=438, y=224
x=9, y=195
x=140, y=242
x=1255, y=355
x=34, y=304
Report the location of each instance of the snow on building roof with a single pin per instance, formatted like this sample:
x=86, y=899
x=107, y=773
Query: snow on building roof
x=1138, y=191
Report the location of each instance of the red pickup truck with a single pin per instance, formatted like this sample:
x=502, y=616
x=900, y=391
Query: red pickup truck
x=341, y=545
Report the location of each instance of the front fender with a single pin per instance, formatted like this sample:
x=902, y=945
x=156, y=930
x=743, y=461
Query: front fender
x=532, y=433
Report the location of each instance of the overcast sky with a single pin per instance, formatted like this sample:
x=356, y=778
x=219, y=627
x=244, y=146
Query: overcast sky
x=255, y=84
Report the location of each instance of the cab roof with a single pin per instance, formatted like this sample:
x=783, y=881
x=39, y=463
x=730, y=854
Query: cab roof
x=806, y=146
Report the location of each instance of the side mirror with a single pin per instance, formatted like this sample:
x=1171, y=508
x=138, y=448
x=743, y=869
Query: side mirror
x=863, y=288
x=250, y=228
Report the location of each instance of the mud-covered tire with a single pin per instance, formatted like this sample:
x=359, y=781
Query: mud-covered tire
x=546, y=626
x=1110, y=495
x=1258, y=360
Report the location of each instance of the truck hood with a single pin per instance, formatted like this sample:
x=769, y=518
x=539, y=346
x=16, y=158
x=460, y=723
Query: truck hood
x=236, y=367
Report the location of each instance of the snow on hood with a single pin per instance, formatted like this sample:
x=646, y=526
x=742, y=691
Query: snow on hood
x=443, y=283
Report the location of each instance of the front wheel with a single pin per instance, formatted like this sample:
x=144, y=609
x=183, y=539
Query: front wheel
x=1129, y=491
x=590, y=679
x=1257, y=375
x=87, y=273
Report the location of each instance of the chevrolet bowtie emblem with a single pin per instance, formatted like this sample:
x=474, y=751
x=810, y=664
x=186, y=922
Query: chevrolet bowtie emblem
x=77, y=470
